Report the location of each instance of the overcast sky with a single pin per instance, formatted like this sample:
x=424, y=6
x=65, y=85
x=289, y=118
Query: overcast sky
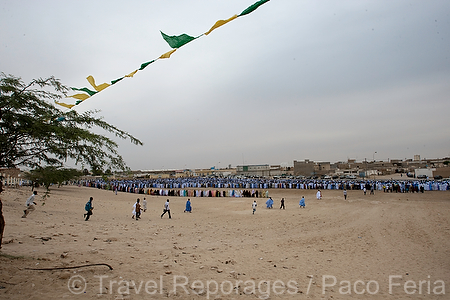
x=293, y=80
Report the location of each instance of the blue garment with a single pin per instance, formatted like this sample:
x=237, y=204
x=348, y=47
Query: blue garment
x=302, y=202
x=88, y=206
x=269, y=203
x=188, y=206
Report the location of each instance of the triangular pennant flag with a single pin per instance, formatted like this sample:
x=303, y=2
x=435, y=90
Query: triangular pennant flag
x=177, y=41
x=98, y=88
x=168, y=54
x=117, y=80
x=253, y=7
x=144, y=65
x=80, y=96
x=220, y=23
x=69, y=106
x=131, y=74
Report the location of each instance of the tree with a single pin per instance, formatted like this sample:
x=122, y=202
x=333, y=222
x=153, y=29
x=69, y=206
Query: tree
x=34, y=133
x=52, y=175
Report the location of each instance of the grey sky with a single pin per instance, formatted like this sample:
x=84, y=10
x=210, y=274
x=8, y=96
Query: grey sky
x=293, y=80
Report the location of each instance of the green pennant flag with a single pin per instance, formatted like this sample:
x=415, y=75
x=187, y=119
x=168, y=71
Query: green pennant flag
x=253, y=7
x=177, y=41
x=91, y=93
x=145, y=65
x=117, y=80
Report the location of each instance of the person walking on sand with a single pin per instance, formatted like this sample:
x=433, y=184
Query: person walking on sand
x=144, y=204
x=30, y=205
x=254, y=205
x=166, y=209
x=302, y=202
x=345, y=194
x=188, y=206
x=319, y=195
x=137, y=209
x=134, y=209
x=88, y=207
x=269, y=203
x=282, y=204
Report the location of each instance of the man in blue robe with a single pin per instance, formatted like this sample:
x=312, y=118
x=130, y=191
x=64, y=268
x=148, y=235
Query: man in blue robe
x=302, y=202
x=269, y=203
x=188, y=206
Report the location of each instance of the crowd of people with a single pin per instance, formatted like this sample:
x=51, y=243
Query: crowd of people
x=241, y=187
x=256, y=187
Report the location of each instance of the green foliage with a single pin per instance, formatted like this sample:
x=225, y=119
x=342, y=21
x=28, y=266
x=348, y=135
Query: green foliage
x=53, y=175
x=96, y=171
x=34, y=133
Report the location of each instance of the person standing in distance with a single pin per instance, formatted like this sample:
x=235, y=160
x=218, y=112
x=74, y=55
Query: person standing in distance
x=166, y=209
x=302, y=202
x=188, y=206
x=254, y=205
x=144, y=204
x=319, y=195
x=282, y=204
x=138, y=209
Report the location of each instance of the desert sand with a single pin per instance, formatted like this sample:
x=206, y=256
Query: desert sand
x=382, y=246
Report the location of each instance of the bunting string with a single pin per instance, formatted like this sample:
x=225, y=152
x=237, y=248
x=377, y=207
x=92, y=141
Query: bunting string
x=175, y=42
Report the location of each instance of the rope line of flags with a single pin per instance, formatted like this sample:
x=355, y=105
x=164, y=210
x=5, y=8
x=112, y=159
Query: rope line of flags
x=175, y=42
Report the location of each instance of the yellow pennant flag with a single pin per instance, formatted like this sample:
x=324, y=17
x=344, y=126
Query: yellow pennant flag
x=98, y=88
x=168, y=54
x=80, y=96
x=69, y=106
x=220, y=23
x=131, y=74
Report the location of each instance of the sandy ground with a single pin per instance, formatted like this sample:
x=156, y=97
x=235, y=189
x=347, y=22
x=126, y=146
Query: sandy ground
x=382, y=246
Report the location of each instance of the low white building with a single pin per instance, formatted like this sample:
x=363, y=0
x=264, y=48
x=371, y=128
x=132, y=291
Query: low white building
x=424, y=172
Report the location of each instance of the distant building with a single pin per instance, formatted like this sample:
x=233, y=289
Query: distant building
x=253, y=170
x=428, y=172
x=10, y=176
x=304, y=168
x=443, y=172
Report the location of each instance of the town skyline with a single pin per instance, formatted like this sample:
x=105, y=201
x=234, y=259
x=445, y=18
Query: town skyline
x=417, y=158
